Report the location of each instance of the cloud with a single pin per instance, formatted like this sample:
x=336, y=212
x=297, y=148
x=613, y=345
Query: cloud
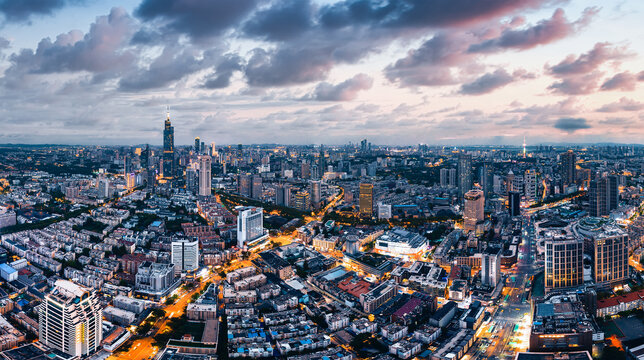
x=623, y=104
x=100, y=50
x=625, y=81
x=344, y=91
x=197, y=18
x=577, y=85
x=589, y=61
x=570, y=125
x=284, y=20
x=544, y=32
x=16, y=11
x=492, y=81
x=288, y=66
x=418, y=13
x=224, y=70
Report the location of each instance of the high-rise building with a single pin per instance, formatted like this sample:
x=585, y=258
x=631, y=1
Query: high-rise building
x=564, y=262
x=603, y=195
x=487, y=179
x=185, y=255
x=250, y=226
x=568, y=167
x=169, y=170
x=243, y=185
x=302, y=201
x=305, y=171
x=530, y=185
x=473, y=209
x=213, y=149
x=205, y=177
x=464, y=173
x=316, y=193
x=103, y=188
x=491, y=267
x=366, y=199
x=283, y=195
x=257, y=187
x=154, y=280
x=611, y=257
x=197, y=145
x=70, y=319
x=452, y=178
x=514, y=203
x=444, y=177
x=192, y=179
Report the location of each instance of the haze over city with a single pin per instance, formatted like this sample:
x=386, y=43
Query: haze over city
x=303, y=71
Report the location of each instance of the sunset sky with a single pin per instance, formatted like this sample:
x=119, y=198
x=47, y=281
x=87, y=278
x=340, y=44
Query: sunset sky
x=446, y=72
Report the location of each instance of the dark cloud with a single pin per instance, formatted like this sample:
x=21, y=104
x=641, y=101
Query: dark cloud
x=101, y=50
x=344, y=91
x=284, y=20
x=492, y=81
x=224, y=70
x=625, y=81
x=13, y=11
x=544, y=32
x=287, y=66
x=570, y=125
x=4, y=43
x=197, y=18
x=418, y=13
x=589, y=61
x=623, y=104
x=172, y=65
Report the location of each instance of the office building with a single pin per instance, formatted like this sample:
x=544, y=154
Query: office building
x=487, y=179
x=561, y=323
x=491, y=267
x=70, y=320
x=464, y=174
x=316, y=193
x=197, y=145
x=453, y=176
x=444, y=177
x=244, y=185
x=568, y=167
x=302, y=201
x=384, y=211
x=169, y=170
x=283, y=195
x=192, y=179
x=256, y=187
x=514, y=203
x=611, y=257
x=473, y=210
x=603, y=196
x=366, y=200
x=185, y=255
x=563, y=262
x=154, y=280
x=530, y=185
x=205, y=177
x=250, y=226
x=401, y=243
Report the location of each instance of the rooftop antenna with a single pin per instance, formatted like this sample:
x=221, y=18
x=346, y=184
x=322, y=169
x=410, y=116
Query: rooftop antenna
x=167, y=109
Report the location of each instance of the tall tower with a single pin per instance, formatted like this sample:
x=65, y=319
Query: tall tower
x=168, y=149
x=524, y=147
x=464, y=173
x=366, y=200
x=205, y=176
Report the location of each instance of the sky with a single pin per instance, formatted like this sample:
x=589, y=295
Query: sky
x=397, y=72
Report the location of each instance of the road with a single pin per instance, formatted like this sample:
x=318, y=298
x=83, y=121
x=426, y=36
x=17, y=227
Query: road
x=508, y=330
x=143, y=348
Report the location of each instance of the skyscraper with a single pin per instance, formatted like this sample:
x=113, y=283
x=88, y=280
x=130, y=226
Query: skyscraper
x=444, y=177
x=197, y=145
x=205, y=177
x=603, y=195
x=192, y=179
x=464, y=173
x=250, y=226
x=366, y=200
x=70, y=319
x=491, y=267
x=257, y=187
x=302, y=201
x=168, y=150
x=473, y=210
x=316, y=193
x=564, y=262
x=185, y=255
x=283, y=195
x=243, y=185
x=530, y=184
x=514, y=203
x=487, y=179
x=611, y=257
x=568, y=167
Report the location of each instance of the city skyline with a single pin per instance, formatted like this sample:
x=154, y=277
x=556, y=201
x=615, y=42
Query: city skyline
x=554, y=72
